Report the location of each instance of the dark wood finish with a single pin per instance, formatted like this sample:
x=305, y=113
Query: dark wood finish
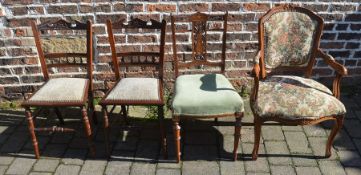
x=259, y=73
x=199, y=40
x=118, y=61
x=199, y=58
x=88, y=92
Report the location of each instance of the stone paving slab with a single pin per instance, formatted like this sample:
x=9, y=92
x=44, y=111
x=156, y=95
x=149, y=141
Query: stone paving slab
x=206, y=147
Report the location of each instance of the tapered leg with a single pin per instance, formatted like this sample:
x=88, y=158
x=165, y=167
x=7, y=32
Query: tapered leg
x=237, y=134
x=88, y=131
x=32, y=132
x=106, y=130
x=92, y=108
x=336, y=128
x=162, y=131
x=60, y=117
x=257, y=137
x=176, y=130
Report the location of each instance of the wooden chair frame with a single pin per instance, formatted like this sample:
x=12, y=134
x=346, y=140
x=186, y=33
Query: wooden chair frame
x=199, y=51
x=63, y=25
x=259, y=71
x=136, y=24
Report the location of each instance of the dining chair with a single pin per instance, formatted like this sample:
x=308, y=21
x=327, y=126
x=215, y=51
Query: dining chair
x=289, y=39
x=60, y=92
x=202, y=95
x=144, y=91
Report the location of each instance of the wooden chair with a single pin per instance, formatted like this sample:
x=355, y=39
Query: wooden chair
x=62, y=92
x=201, y=96
x=136, y=90
x=289, y=39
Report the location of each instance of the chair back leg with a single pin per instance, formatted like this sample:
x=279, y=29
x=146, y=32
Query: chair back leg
x=237, y=134
x=257, y=137
x=88, y=131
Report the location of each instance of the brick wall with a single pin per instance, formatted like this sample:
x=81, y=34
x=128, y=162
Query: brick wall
x=19, y=66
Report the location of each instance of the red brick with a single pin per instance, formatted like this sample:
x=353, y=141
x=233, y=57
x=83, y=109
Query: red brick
x=20, y=51
x=102, y=8
x=60, y=9
x=84, y=8
x=142, y=38
x=332, y=45
x=9, y=80
x=161, y=7
x=316, y=7
x=225, y=6
x=13, y=2
x=353, y=17
x=241, y=17
x=102, y=18
x=18, y=11
x=342, y=7
x=193, y=7
x=256, y=7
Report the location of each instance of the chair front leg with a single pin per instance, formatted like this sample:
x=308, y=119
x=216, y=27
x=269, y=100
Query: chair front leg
x=32, y=132
x=88, y=131
x=162, y=131
x=237, y=134
x=257, y=136
x=106, y=129
x=177, y=138
x=336, y=128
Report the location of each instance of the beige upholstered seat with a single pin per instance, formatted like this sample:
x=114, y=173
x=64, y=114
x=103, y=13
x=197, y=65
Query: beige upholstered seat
x=135, y=89
x=61, y=90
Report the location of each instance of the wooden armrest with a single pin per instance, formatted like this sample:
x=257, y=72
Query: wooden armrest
x=339, y=68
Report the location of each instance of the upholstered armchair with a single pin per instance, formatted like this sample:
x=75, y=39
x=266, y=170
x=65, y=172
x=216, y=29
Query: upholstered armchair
x=289, y=39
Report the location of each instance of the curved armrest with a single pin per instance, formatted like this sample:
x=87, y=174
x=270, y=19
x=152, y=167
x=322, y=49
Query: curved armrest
x=339, y=68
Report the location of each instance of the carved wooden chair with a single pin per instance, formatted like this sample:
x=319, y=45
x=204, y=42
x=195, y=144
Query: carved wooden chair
x=201, y=96
x=289, y=39
x=136, y=90
x=62, y=92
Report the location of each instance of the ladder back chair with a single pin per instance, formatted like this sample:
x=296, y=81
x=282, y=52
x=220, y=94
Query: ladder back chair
x=289, y=38
x=61, y=91
x=200, y=95
x=136, y=90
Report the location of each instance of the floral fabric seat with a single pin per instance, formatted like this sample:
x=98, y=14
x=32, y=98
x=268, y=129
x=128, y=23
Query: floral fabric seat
x=294, y=97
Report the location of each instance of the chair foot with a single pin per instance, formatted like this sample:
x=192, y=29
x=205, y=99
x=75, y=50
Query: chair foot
x=237, y=135
x=32, y=132
x=336, y=128
x=88, y=131
x=257, y=137
x=176, y=130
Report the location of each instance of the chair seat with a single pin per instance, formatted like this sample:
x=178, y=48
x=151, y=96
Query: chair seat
x=60, y=91
x=134, y=90
x=205, y=95
x=293, y=97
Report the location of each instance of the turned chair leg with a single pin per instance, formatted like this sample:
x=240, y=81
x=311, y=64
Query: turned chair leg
x=106, y=130
x=32, y=132
x=177, y=138
x=237, y=134
x=88, y=131
x=257, y=137
x=60, y=117
x=336, y=128
x=162, y=131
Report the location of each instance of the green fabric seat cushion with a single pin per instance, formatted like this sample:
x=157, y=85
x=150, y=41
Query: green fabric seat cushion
x=293, y=97
x=205, y=95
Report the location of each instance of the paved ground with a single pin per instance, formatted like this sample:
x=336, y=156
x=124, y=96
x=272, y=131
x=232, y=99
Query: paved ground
x=206, y=150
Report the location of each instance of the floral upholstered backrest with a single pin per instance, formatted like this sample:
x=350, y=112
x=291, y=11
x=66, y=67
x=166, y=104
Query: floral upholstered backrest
x=289, y=38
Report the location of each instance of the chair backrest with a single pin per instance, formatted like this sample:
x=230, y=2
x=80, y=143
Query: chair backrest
x=61, y=29
x=288, y=39
x=199, y=26
x=139, y=59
